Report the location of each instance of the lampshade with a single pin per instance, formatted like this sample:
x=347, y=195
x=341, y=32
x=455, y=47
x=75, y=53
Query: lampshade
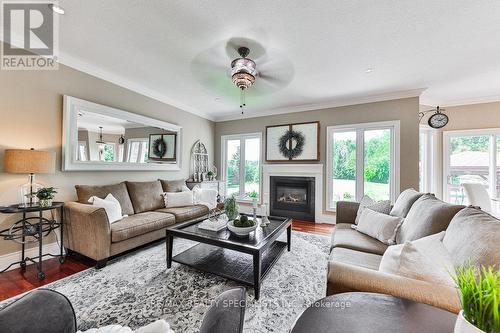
x=29, y=161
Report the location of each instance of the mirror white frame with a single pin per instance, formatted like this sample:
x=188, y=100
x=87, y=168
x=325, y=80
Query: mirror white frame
x=71, y=105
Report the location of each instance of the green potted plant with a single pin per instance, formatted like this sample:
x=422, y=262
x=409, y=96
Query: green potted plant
x=46, y=195
x=231, y=207
x=480, y=298
x=210, y=175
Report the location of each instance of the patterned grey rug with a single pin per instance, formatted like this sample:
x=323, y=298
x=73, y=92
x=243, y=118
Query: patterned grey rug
x=137, y=288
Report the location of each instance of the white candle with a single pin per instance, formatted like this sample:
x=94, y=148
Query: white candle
x=254, y=203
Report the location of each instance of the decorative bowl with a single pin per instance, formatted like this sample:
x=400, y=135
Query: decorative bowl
x=241, y=231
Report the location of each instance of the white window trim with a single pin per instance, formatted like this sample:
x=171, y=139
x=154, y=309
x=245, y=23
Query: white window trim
x=430, y=159
x=394, y=126
x=243, y=136
x=129, y=148
x=447, y=135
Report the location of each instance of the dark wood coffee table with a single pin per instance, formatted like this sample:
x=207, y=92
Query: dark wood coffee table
x=245, y=260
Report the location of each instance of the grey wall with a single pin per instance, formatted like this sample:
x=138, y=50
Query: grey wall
x=405, y=110
x=31, y=107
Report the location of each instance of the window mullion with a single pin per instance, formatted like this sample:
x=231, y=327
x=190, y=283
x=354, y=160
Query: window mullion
x=360, y=166
x=493, y=166
x=242, y=168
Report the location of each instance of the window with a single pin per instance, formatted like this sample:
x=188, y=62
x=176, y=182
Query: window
x=137, y=151
x=471, y=156
x=427, y=158
x=241, y=165
x=362, y=159
x=108, y=152
x=82, y=151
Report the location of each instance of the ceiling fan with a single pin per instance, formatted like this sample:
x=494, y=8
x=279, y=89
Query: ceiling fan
x=240, y=68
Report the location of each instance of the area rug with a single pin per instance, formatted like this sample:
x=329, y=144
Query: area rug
x=137, y=288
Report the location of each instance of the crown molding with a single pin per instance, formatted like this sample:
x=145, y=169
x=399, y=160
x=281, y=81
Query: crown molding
x=460, y=102
x=318, y=106
x=121, y=81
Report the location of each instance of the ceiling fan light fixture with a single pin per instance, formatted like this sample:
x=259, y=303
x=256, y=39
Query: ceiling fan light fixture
x=243, y=80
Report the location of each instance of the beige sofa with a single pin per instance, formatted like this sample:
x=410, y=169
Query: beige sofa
x=88, y=232
x=471, y=235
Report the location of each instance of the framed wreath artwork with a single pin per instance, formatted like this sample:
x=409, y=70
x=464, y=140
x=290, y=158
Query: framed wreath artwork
x=162, y=147
x=293, y=142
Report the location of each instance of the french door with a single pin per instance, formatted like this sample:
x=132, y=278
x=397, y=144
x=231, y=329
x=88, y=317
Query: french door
x=362, y=159
x=471, y=156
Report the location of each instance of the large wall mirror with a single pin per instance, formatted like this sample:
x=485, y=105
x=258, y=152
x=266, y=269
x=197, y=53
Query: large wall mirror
x=98, y=137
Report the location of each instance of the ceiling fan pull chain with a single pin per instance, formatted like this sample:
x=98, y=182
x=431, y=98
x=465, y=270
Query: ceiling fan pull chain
x=242, y=99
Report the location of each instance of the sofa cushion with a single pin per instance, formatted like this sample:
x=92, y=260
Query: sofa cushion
x=358, y=258
x=186, y=213
x=339, y=226
x=139, y=224
x=119, y=191
x=177, y=185
x=404, y=202
x=474, y=236
x=354, y=240
x=146, y=196
x=427, y=216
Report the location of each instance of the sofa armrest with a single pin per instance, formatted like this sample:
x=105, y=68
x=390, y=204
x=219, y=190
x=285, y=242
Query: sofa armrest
x=344, y=277
x=87, y=230
x=346, y=211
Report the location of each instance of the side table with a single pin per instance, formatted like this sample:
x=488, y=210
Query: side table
x=32, y=229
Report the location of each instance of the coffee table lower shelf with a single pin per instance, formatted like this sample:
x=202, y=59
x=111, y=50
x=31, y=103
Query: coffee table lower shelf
x=230, y=264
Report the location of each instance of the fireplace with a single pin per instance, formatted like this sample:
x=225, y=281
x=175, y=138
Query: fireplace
x=292, y=197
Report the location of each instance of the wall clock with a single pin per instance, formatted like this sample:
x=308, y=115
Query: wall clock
x=437, y=120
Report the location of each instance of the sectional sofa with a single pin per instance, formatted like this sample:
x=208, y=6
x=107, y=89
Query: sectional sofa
x=471, y=236
x=88, y=231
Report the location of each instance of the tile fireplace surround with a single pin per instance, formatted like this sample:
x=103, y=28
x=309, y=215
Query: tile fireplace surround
x=298, y=170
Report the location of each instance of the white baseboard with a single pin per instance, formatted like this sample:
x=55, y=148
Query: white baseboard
x=328, y=219
x=7, y=259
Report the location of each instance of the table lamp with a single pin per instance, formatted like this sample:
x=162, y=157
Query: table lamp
x=29, y=161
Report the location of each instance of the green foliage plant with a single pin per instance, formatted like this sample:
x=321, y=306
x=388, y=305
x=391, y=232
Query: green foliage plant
x=480, y=296
x=231, y=207
x=46, y=193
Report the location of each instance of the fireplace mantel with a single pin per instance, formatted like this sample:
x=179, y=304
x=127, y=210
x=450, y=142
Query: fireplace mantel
x=297, y=170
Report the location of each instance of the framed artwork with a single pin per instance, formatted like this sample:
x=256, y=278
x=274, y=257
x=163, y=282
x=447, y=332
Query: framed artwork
x=293, y=142
x=162, y=147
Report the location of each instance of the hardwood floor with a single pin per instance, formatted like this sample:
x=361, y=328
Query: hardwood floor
x=17, y=281
x=313, y=228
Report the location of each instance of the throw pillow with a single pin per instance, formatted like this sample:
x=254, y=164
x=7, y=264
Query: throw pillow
x=425, y=259
x=404, y=202
x=390, y=259
x=110, y=204
x=178, y=199
x=473, y=236
x=380, y=226
x=427, y=216
x=383, y=206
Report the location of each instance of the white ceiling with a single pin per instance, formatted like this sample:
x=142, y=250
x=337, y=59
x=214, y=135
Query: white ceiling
x=449, y=47
x=110, y=125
